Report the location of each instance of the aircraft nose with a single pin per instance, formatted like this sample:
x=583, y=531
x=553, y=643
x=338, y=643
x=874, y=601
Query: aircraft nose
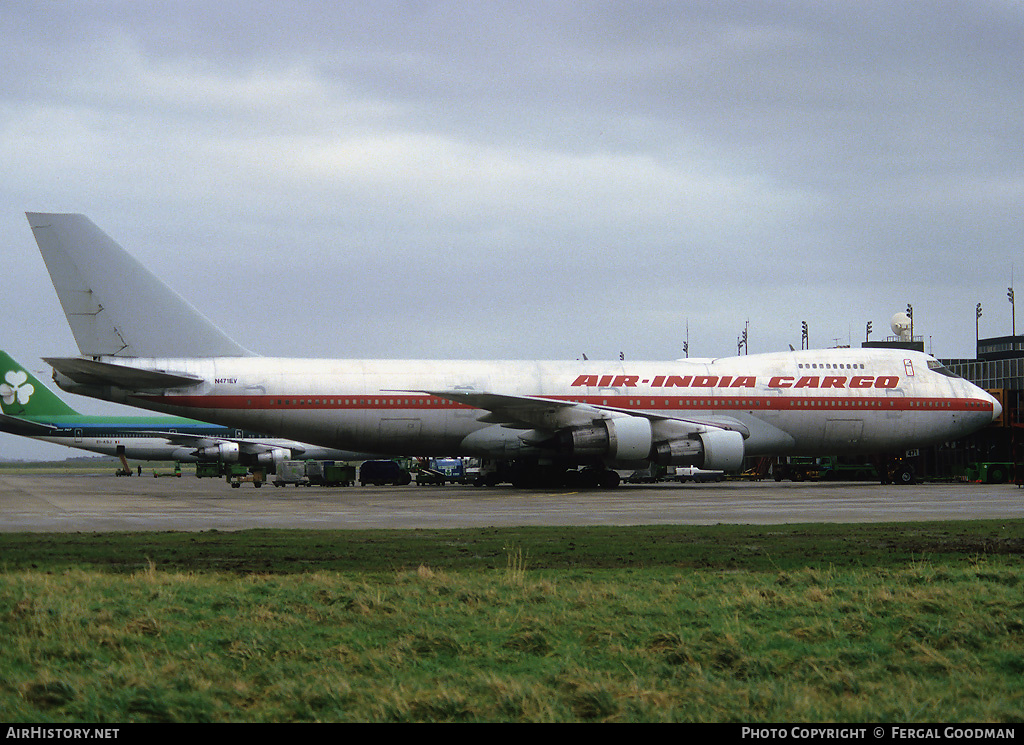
x=997, y=408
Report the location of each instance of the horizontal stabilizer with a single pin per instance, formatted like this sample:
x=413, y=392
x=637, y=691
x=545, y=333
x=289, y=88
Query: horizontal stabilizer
x=92, y=372
x=17, y=426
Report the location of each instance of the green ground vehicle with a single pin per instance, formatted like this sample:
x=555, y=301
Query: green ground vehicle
x=826, y=468
x=990, y=473
x=833, y=469
x=329, y=473
x=208, y=470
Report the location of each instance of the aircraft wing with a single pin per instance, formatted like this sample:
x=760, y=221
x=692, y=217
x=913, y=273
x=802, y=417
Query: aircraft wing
x=93, y=372
x=251, y=447
x=24, y=427
x=528, y=412
x=521, y=412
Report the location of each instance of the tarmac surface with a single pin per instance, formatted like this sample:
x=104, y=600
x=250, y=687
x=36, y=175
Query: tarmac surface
x=101, y=503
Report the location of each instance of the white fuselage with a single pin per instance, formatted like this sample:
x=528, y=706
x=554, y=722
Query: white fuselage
x=809, y=402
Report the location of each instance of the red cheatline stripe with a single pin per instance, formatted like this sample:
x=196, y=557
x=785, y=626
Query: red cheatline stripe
x=644, y=403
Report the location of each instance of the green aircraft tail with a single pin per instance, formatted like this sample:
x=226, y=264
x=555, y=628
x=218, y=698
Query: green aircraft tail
x=23, y=395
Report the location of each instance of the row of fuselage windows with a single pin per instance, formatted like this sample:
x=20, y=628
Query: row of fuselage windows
x=830, y=366
x=85, y=431
x=117, y=436
x=358, y=402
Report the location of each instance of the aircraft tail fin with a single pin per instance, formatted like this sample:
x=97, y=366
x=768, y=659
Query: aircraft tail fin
x=23, y=395
x=114, y=305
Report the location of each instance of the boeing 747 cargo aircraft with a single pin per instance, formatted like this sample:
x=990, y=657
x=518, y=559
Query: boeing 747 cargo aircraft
x=142, y=344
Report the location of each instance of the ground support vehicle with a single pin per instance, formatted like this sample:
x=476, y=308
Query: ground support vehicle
x=833, y=469
x=898, y=471
x=291, y=472
x=697, y=475
x=176, y=473
x=237, y=475
x=441, y=471
x=650, y=475
x=209, y=469
x=760, y=468
x=989, y=472
x=329, y=473
x=796, y=469
x=382, y=473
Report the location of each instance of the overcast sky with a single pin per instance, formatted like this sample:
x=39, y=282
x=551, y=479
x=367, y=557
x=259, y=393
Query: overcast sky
x=524, y=179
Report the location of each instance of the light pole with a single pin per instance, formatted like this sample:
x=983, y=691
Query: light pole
x=1013, y=312
x=741, y=342
x=977, y=318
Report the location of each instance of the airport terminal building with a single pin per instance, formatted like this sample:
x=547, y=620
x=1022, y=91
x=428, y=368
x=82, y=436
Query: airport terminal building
x=999, y=369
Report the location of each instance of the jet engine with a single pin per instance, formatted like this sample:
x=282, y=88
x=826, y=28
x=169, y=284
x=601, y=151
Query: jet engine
x=632, y=439
x=621, y=439
x=715, y=450
x=273, y=457
x=226, y=452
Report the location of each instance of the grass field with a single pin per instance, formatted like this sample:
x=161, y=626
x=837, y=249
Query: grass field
x=85, y=464
x=864, y=623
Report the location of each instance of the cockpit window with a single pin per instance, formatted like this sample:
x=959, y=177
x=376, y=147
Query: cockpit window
x=941, y=369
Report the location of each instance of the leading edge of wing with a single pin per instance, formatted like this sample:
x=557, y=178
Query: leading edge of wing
x=517, y=412
x=529, y=412
x=252, y=447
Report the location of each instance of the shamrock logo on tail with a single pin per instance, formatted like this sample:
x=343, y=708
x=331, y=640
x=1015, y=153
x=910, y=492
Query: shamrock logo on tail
x=16, y=388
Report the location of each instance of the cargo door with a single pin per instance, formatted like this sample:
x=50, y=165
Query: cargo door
x=399, y=434
x=844, y=433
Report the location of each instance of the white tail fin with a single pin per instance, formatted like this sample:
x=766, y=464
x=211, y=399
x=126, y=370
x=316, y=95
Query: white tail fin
x=114, y=305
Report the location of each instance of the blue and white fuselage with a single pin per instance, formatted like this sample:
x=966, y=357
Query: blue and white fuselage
x=160, y=438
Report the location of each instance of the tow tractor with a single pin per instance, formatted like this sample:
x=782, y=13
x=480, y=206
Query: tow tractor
x=440, y=471
x=237, y=475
